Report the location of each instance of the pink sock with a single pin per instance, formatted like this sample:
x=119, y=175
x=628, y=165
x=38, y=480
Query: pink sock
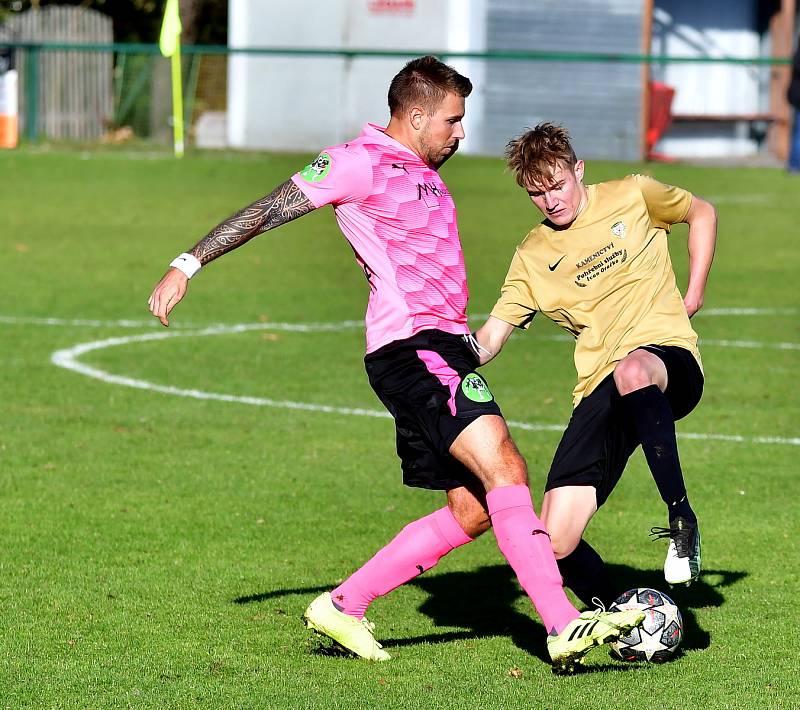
x=524, y=542
x=415, y=549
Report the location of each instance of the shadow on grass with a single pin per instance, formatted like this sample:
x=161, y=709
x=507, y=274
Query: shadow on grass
x=482, y=603
x=277, y=593
x=707, y=592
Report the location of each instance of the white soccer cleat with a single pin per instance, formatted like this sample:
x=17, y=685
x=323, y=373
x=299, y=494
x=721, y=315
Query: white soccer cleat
x=682, y=564
x=352, y=634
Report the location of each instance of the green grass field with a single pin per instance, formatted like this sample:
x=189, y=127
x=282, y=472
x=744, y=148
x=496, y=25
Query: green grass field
x=158, y=550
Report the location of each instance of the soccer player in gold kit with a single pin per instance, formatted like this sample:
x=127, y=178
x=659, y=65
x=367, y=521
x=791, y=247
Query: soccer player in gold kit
x=598, y=266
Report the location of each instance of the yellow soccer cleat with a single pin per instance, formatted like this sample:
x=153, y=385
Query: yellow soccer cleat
x=591, y=628
x=347, y=631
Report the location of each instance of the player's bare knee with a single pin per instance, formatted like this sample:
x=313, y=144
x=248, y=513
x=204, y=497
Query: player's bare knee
x=563, y=538
x=631, y=374
x=563, y=544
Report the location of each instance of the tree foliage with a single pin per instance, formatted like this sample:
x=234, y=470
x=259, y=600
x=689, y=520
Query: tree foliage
x=204, y=21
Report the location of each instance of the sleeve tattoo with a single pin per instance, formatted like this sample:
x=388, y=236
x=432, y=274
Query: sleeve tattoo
x=285, y=203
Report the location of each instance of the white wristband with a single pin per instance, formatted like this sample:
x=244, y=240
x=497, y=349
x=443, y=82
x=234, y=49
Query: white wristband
x=188, y=263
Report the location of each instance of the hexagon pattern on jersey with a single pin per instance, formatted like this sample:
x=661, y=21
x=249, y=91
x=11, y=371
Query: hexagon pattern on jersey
x=400, y=220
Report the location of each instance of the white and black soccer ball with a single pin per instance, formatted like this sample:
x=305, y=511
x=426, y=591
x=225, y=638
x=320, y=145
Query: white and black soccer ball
x=657, y=638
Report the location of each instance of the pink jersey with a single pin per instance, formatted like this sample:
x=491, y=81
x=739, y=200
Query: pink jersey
x=401, y=222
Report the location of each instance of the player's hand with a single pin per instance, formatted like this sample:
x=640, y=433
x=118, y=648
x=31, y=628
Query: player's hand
x=167, y=294
x=692, y=304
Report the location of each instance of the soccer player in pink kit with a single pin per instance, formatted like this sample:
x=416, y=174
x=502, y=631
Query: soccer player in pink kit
x=398, y=216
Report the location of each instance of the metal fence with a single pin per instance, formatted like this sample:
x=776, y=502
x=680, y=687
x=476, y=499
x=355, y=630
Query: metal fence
x=135, y=100
x=65, y=94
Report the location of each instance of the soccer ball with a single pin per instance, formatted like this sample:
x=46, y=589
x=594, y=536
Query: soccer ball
x=657, y=638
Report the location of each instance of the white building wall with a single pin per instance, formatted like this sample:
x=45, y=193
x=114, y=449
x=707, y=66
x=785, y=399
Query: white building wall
x=305, y=103
x=599, y=102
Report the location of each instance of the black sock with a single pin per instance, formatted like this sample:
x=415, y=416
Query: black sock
x=585, y=573
x=655, y=426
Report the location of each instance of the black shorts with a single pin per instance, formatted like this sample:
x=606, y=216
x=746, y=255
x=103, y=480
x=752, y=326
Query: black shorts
x=600, y=437
x=429, y=385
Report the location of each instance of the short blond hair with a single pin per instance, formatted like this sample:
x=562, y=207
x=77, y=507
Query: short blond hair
x=539, y=151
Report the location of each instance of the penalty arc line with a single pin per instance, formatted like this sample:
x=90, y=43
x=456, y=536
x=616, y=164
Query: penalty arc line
x=153, y=323
x=354, y=324
x=67, y=358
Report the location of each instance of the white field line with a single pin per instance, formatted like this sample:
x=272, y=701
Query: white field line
x=710, y=312
x=353, y=324
x=153, y=323
x=753, y=199
x=702, y=342
x=753, y=344
x=68, y=359
x=309, y=327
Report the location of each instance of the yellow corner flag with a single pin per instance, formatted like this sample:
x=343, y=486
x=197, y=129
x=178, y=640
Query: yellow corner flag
x=170, y=39
x=170, y=44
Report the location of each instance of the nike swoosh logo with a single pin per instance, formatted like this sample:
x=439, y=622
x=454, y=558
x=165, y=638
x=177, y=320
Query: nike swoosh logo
x=552, y=267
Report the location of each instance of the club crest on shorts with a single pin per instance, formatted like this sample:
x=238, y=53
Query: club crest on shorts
x=475, y=388
x=316, y=171
x=618, y=229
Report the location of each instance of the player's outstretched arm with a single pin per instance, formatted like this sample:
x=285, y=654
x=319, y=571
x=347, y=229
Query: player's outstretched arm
x=285, y=203
x=702, y=221
x=491, y=337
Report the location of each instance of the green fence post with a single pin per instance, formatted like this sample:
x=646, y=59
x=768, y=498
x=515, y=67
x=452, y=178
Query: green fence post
x=32, y=92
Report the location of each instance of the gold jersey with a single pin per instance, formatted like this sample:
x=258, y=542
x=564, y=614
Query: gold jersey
x=607, y=278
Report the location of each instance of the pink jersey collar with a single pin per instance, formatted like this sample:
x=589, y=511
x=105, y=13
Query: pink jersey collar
x=378, y=133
